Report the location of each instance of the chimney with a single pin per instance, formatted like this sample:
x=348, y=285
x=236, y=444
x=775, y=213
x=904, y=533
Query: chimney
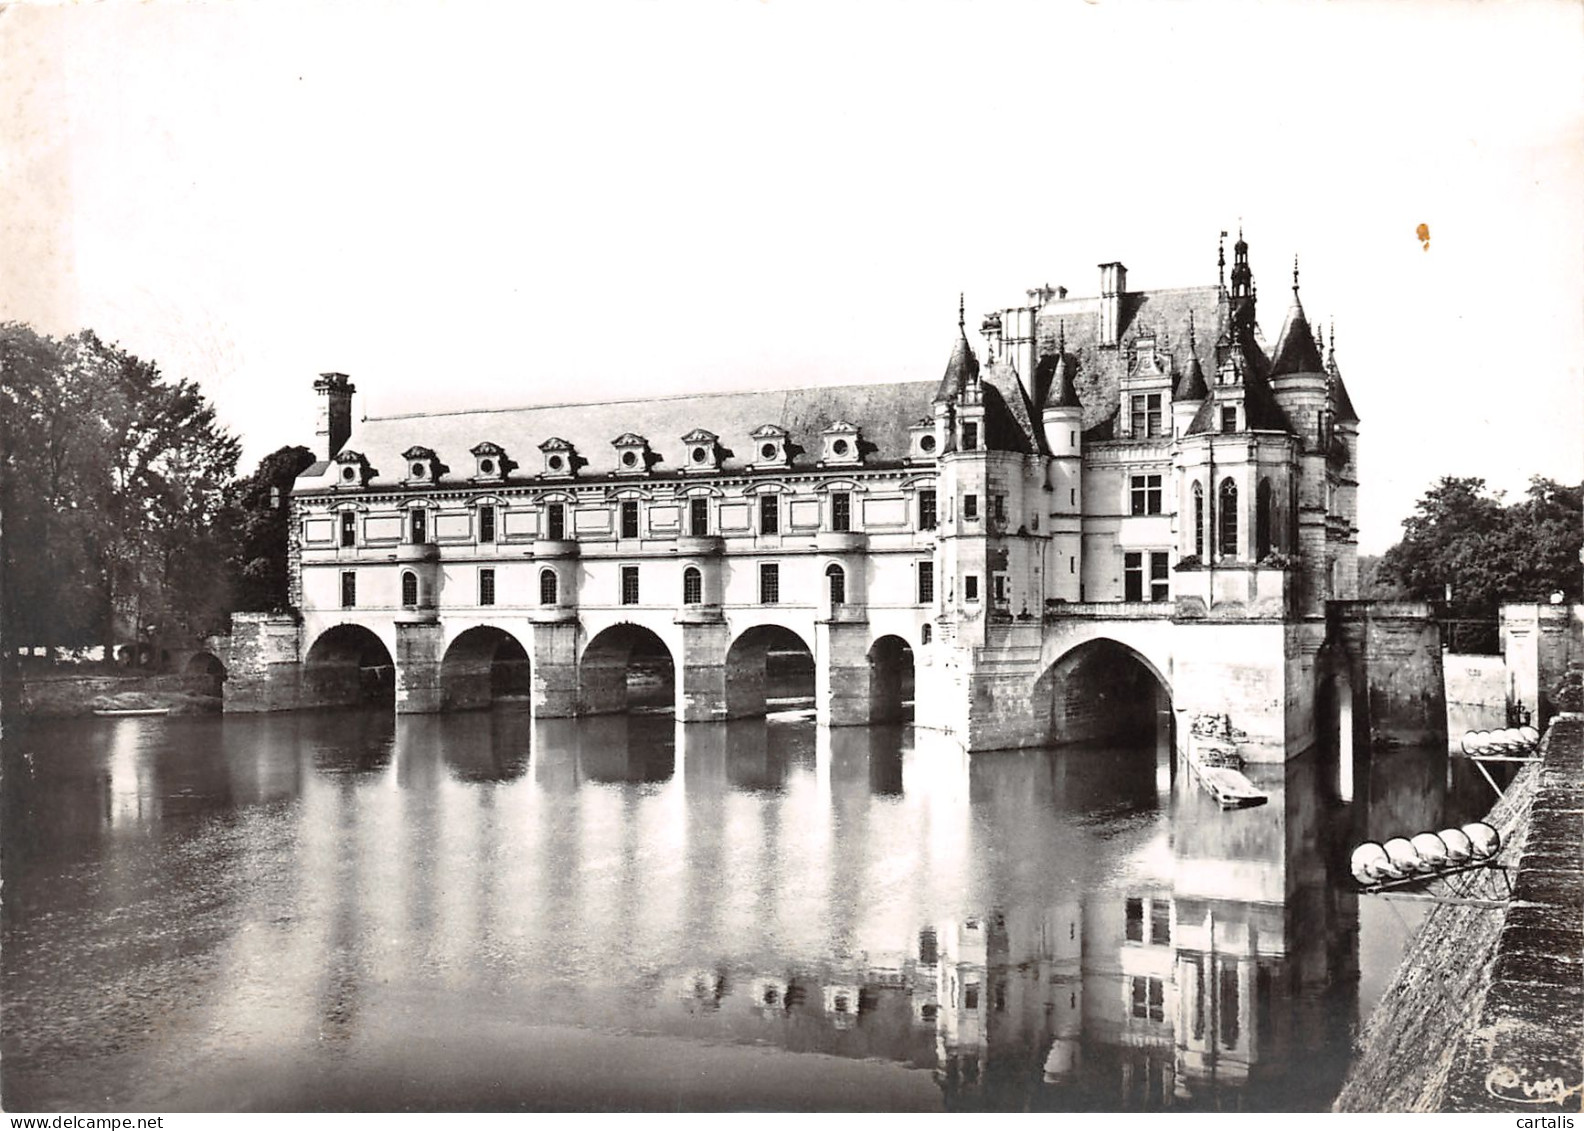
x=1113, y=285
x=335, y=412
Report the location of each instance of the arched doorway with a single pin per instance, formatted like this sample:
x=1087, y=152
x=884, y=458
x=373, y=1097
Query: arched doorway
x=348, y=666
x=483, y=665
x=890, y=680
x=626, y=668
x=768, y=668
x=1104, y=691
x=207, y=666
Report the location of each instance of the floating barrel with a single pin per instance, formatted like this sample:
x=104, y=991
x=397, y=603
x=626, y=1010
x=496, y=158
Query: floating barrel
x=1369, y=864
x=1432, y=852
x=1458, y=846
x=1484, y=840
x=1401, y=853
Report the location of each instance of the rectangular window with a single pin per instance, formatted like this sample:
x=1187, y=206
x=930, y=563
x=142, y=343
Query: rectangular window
x=1000, y=589
x=970, y=434
x=998, y=507
x=1132, y=577
x=926, y=583
x=1135, y=920
x=486, y=524
x=698, y=517
x=486, y=587
x=769, y=583
x=971, y=587
x=769, y=514
x=1160, y=577
x=348, y=528
x=1160, y=922
x=629, y=519
x=926, y=504
x=419, y=526
x=1146, y=415
x=971, y=508
x=841, y=510
x=348, y=590
x=629, y=585
x=1149, y=999
x=1229, y=418
x=555, y=522
x=1146, y=492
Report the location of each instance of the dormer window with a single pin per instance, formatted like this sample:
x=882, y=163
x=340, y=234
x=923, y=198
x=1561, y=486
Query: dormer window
x=770, y=446
x=560, y=458
x=352, y=470
x=489, y=462
x=1229, y=418
x=841, y=445
x=922, y=444
x=633, y=456
x=422, y=465
x=702, y=449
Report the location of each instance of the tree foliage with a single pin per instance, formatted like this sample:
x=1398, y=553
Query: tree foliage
x=258, y=512
x=1489, y=552
x=112, y=482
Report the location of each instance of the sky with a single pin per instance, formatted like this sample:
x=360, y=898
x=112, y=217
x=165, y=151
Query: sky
x=474, y=205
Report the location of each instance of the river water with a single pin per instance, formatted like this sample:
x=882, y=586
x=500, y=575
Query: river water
x=346, y=910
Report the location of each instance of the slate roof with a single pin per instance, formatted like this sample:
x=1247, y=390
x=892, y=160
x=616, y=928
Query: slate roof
x=884, y=413
x=1261, y=412
x=1098, y=369
x=961, y=368
x=1296, y=351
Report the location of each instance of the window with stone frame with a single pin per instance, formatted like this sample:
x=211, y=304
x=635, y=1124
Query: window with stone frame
x=555, y=522
x=548, y=585
x=698, y=517
x=348, y=529
x=1146, y=494
x=486, y=524
x=769, y=583
x=769, y=513
x=629, y=585
x=841, y=511
x=349, y=589
x=629, y=518
x=692, y=586
x=926, y=582
x=927, y=518
x=1146, y=415
x=486, y=586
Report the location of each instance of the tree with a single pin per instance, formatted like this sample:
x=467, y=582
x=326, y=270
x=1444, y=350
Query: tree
x=1462, y=536
x=111, y=478
x=258, y=514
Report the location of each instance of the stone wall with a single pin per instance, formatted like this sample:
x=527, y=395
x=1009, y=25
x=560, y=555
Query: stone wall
x=1476, y=694
x=1539, y=642
x=261, y=662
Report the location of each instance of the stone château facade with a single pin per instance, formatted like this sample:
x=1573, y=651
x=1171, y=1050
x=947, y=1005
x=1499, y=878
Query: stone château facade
x=1133, y=503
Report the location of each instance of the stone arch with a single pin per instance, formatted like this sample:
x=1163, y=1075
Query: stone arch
x=482, y=665
x=626, y=667
x=1101, y=690
x=208, y=666
x=348, y=665
x=767, y=665
x=890, y=680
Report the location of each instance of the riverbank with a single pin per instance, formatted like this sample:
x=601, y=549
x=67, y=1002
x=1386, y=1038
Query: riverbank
x=65, y=695
x=1486, y=1011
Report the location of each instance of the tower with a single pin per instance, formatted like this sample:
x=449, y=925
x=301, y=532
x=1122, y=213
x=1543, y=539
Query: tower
x=1062, y=421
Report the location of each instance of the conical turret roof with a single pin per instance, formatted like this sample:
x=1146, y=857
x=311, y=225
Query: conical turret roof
x=962, y=368
x=1295, y=349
